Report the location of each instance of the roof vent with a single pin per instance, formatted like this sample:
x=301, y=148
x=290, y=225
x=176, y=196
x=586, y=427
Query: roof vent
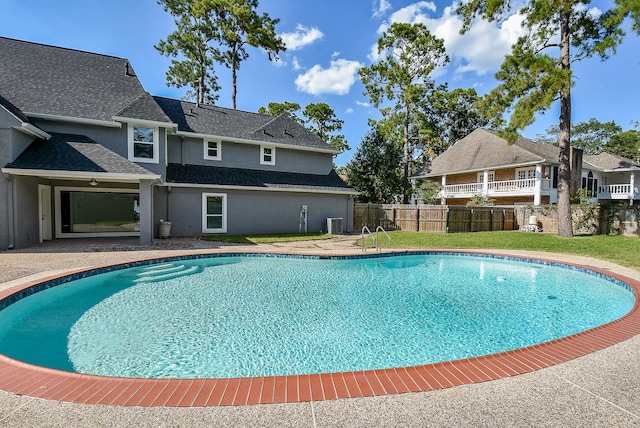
x=285, y=132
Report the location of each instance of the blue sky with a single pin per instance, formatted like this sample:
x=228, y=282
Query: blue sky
x=328, y=41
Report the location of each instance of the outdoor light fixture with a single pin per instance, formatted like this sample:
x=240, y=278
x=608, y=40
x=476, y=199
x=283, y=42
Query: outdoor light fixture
x=93, y=182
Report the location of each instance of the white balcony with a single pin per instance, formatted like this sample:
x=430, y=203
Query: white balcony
x=495, y=188
x=618, y=191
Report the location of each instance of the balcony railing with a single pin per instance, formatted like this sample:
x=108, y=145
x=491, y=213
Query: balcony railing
x=495, y=187
x=618, y=191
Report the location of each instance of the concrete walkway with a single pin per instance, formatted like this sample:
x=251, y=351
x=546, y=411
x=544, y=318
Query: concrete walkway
x=600, y=389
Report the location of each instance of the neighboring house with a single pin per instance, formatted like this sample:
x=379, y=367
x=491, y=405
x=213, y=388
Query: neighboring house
x=85, y=151
x=526, y=172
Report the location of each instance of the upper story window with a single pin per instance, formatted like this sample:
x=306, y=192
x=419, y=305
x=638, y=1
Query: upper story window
x=525, y=173
x=267, y=155
x=491, y=175
x=143, y=144
x=212, y=150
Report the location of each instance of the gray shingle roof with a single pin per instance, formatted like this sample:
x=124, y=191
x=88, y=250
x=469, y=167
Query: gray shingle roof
x=13, y=110
x=608, y=162
x=199, y=174
x=485, y=149
x=238, y=124
x=57, y=81
x=77, y=153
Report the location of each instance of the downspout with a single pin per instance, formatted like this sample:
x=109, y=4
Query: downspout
x=10, y=212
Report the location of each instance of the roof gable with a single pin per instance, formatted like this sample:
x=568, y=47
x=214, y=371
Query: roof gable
x=48, y=80
x=240, y=125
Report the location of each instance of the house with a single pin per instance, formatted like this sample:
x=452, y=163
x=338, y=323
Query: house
x=85, y=151
x=483, y=164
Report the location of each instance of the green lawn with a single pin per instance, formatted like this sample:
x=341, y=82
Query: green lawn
x=623, y=250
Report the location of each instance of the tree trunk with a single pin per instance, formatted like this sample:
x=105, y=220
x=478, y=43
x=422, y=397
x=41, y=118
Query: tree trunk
x=234, y=90
x=565, y=226
x=405, y=177
x=235, y=64
x=200, y=96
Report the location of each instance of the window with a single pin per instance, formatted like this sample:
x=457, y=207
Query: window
x=491, y=177
x=92, y=212
x=214, y=213
x=212, y=150
x=525, y=173
x=143, y=144
x=267, y=155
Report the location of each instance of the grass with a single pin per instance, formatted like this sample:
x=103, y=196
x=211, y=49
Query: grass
x=623, y=250
x=268, y=239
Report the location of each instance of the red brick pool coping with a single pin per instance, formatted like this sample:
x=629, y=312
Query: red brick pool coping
x=26, y=379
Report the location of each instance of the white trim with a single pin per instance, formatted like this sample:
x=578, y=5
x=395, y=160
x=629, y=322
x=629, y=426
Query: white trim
x=222, y=229
x=152, y=123
x=263, y=148
x=255, y=142
x=131, y=143
x=255, y=188
x=32, y=130
x=107, y=123
x=58, y=213
x=205, y=144
x=81, y=175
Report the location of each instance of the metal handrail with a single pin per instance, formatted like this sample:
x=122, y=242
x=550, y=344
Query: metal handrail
x=388, y=244
x=375, y=241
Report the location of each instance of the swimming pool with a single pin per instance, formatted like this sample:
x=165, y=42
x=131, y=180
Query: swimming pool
x=384, y=315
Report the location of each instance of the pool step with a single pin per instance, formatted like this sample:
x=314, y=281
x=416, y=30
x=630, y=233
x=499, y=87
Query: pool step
x=167, y=273
x=154, y=270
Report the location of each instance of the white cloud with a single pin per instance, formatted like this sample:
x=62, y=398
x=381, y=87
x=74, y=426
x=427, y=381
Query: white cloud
x=481, y=49
x=379, y=9
x=337, y=79
x=296, y=63
x=349, y=110
x=363, y=104
x=302, y=37
x=335, y=54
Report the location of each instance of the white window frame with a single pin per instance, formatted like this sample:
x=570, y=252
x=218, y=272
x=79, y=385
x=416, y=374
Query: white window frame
x=218, y=150
x=527, y=173
x=154, y=144
x=263, y=155
x=491, y=175
x=205, y=228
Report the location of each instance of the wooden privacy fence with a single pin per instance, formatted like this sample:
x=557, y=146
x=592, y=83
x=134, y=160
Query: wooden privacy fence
x=434, y=218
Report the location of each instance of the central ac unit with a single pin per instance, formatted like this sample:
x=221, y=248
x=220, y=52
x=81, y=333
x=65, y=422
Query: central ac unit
x=334, y=226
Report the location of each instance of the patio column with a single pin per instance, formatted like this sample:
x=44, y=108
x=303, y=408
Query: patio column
x=537, y=189
x=146, y=212
x=443, y=199
x=485, y=182
x=632, y=182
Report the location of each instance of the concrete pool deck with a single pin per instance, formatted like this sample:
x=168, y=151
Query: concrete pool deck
x=599, y=389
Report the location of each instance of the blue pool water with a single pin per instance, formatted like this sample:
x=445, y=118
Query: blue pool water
x=238, y=316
